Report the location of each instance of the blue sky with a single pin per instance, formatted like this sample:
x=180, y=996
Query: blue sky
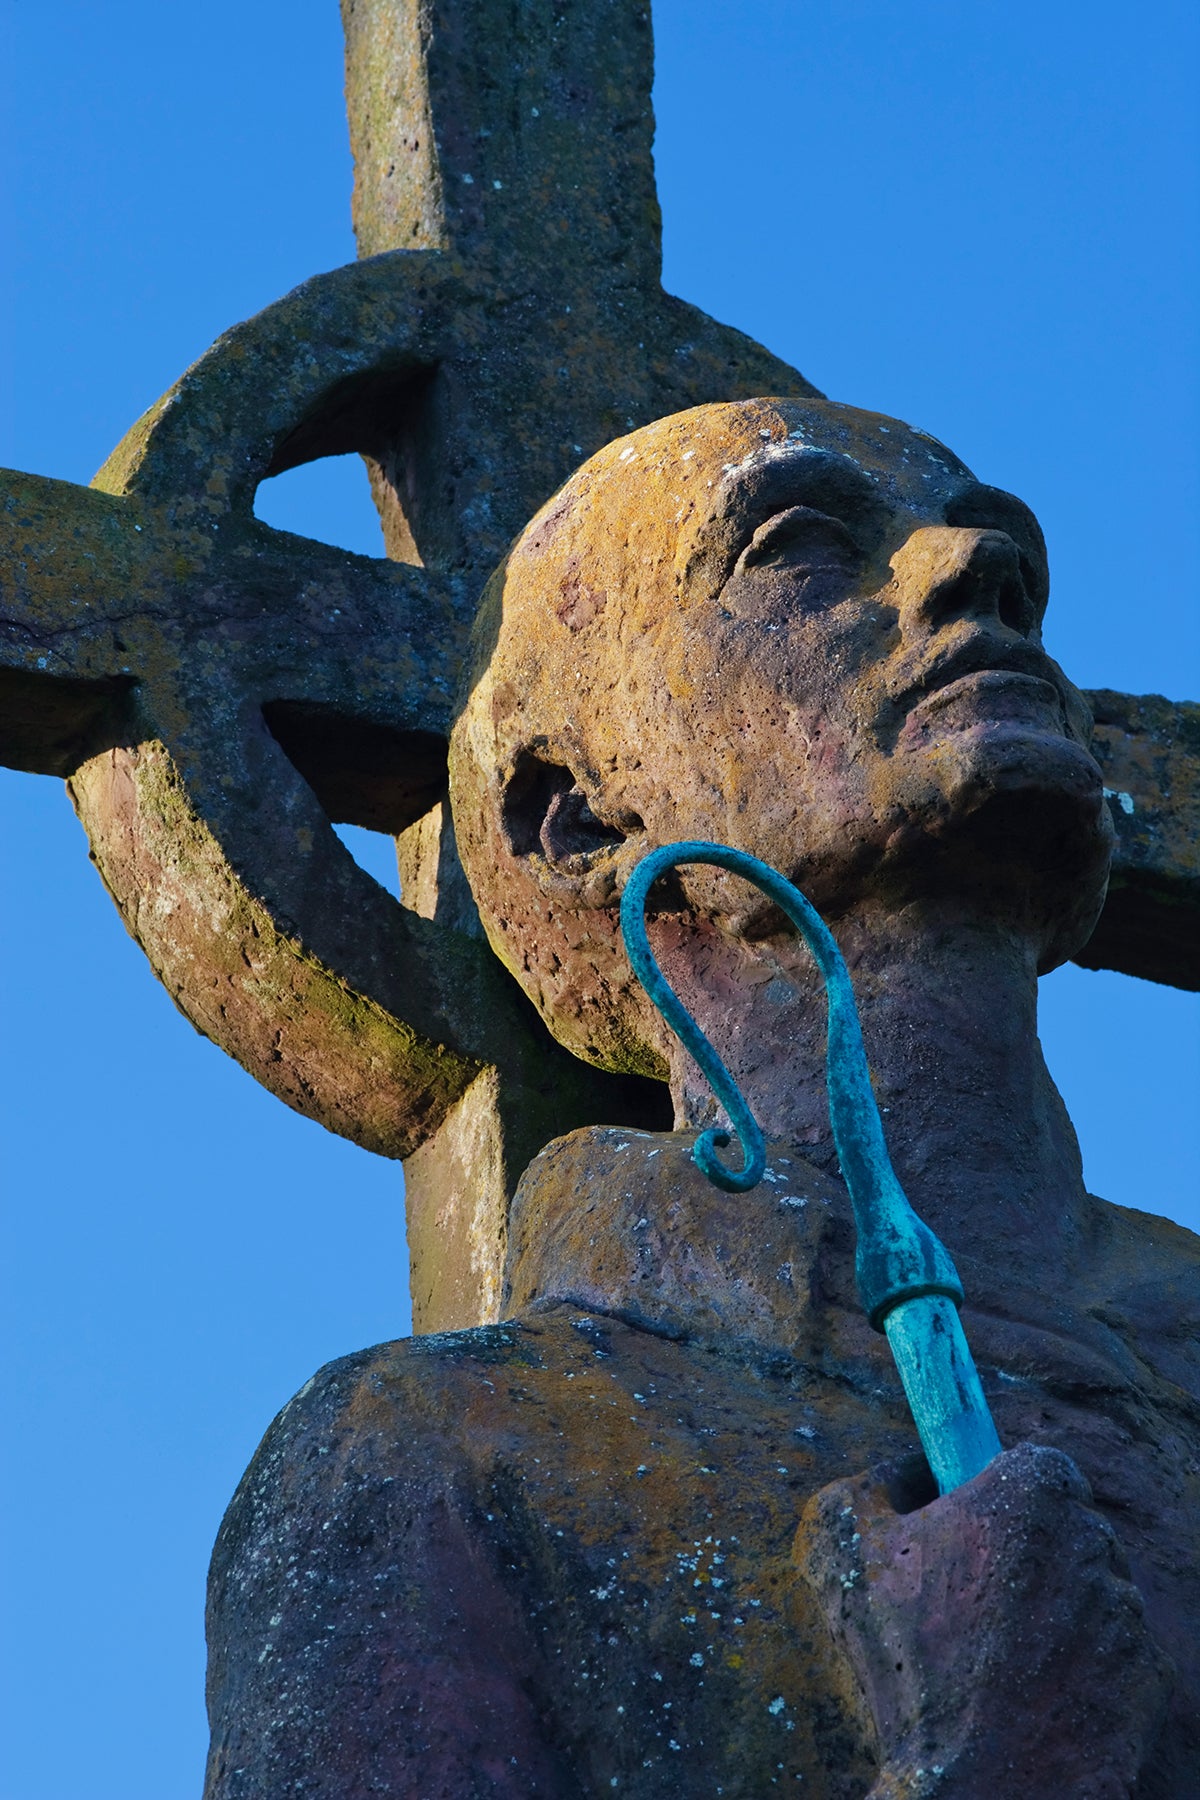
x=982, y=219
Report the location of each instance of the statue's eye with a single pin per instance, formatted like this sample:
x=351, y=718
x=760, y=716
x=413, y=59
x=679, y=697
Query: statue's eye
x=803, y=540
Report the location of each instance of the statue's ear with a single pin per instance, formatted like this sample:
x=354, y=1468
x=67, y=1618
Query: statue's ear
x=550, y=812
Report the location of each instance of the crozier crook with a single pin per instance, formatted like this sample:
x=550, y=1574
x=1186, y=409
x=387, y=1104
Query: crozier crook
x=906, y=1279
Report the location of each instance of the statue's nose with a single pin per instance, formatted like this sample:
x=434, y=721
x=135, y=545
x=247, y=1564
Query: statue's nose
x=947, y=572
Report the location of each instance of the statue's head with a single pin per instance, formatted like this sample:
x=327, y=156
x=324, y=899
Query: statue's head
x=793, y=627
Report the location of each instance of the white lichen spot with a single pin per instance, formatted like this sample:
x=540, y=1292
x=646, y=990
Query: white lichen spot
x=776, y=1706
x=1123, y=800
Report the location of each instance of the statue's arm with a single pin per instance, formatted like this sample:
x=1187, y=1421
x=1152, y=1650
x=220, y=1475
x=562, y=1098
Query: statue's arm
x=360, y=1640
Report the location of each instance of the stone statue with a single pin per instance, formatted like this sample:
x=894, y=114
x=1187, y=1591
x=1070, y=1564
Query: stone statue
x=652, y=1521
x=661, y=1530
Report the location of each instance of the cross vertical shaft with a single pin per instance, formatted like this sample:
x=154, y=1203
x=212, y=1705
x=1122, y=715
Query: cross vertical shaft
x=518, y=137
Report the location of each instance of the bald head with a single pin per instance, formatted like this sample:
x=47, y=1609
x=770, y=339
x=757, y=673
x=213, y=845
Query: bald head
x=722, y=627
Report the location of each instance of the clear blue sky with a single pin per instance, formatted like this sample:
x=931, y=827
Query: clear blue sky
x=981, y=218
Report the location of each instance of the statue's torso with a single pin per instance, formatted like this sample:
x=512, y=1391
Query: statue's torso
x=553, y=1556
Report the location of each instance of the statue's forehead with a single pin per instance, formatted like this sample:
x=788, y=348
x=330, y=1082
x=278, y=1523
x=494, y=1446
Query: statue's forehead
x=714, y=461
x=816, y=443
x=671, y=503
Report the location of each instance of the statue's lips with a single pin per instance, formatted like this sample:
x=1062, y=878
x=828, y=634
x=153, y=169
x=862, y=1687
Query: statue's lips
x=992, y=695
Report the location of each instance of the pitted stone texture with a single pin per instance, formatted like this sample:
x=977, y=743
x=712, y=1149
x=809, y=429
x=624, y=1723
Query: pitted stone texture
x=624, y=1222
x=996, y=1635
x=530, y=1559
x=507, y=321
x=567, y=1539
x=761, y=624
x=153, y=631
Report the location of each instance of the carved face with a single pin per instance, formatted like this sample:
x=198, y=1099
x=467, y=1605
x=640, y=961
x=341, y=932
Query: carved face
x=789, y=626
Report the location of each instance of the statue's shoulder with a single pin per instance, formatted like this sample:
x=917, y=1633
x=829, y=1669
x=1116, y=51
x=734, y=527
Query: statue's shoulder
x=375, y=1450
x=365, y=1609
x=407, y=1421
x=1143, y=1279
x=414, y=1386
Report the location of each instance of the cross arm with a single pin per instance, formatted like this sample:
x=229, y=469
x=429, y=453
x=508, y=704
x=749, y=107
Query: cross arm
x=70, y=561
x=1149, y=750
x=217, y=693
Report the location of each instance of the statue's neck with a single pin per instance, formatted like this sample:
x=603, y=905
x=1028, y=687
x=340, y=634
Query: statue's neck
x=977, y=1132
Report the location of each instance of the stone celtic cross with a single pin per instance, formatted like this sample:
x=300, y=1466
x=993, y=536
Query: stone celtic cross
x=218, y=693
